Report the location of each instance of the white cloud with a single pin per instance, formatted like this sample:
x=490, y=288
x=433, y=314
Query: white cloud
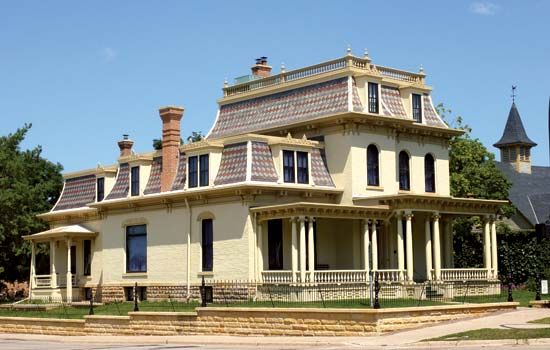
x=108, y=54
x=484, y=8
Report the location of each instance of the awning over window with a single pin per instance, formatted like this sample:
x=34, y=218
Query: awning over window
x=71, y=231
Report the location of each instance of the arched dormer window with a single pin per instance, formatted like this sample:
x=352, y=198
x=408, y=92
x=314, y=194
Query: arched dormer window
x=429, y=173
x=373, y=169
x=404, y=172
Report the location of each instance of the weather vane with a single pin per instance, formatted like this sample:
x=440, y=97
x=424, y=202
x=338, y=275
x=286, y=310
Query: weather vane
x=514, y=93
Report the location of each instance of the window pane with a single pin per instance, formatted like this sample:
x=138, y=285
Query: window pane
x=135, y=181
x=136, y=248
x=373, y=98
x=288, y=166
x=302, y=167
x=100, y=189
x=429, y=173
x=404, y=176
x=207, y=245
x=203, y=160
x=373, y=174
x=193, y=171
x=417, y=108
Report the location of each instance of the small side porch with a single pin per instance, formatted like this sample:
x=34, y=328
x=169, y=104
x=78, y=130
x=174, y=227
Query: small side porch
x=69, y=250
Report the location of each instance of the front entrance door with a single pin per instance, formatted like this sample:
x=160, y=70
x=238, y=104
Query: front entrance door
x=73, y=259
x=275, y=244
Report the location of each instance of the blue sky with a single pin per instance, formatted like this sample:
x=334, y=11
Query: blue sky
x=84, y=73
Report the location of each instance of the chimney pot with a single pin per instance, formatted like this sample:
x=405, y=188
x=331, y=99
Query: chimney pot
x=171, y=134
x=261, y=69
x=125, y=146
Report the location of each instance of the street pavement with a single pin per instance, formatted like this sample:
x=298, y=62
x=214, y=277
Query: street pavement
x=397, y=340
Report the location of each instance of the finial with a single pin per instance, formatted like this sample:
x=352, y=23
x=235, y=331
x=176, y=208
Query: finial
x=225, y=83
x=288, y=136
x=366, y=53
x=349, y=49
x=421, y=70
x=514, y=87
x=283, y=68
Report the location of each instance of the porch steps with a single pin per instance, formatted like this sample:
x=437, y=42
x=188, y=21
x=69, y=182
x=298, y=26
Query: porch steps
x=433, y=293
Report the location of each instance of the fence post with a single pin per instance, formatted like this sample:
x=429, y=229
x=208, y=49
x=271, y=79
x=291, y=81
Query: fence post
x=91, y=312
x=136, y=307
x=376, y=292
x=371, y=291
x=203, y=293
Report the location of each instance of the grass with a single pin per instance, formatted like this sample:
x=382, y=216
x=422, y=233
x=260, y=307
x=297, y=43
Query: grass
x=491, y=334
x=542, y=321
x=523, y=296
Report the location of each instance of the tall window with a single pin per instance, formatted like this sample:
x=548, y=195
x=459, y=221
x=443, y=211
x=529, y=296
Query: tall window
x=100, y=194
x=373, y=98
x=136, y=248
x=404, y=172
x=288, y=166
x=134, y=188
x=429, y=173
x=87, y=257
x=417, y=108
x=302, y=167
x=193, y=171
x=373, y=172
x=203, y=166
x=207, y=245
x=275, y=244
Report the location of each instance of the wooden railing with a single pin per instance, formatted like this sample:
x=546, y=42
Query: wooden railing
x=463, y=274
x=42, y=281
x=279, y=276
x=321, y=68
x=341, y=276
x=392, y=275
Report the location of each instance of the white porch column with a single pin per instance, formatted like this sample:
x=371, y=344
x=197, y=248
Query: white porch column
x=53, y=272
x=374, y=246
x=366, y=245
x=69, y=274
x=428, y=247
x=311, y=250
x=410, y=260
x=487, y=246
x=33, y=271
x=494, y=250
x=260, y=247
x=400, y=255
x=437, y=248
x=301, y=220
x=294, y=250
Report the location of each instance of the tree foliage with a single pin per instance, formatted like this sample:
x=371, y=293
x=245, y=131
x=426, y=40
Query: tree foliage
x=29, y=185
x=194, y=137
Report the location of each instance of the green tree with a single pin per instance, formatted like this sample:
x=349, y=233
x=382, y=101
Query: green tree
x=194, y=137
x=29, y=185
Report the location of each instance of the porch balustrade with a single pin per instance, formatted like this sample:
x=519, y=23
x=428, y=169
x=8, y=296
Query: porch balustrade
x=390, y=275
x=45, y=281
x=341, y=276
x=279, y=276
x=463, y=274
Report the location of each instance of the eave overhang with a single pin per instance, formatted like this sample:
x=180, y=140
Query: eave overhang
x=377, y=212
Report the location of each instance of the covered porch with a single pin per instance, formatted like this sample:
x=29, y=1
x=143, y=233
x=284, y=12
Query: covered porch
x=70, y=253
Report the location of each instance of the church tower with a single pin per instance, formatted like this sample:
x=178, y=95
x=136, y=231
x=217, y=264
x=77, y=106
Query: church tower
x=515, y=146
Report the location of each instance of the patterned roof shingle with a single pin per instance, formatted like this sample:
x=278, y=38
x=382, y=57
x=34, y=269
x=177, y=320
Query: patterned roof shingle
x=77, y=192
x=319, y=169
x=181, y=174
x=263, y=168
x=283, y=108
x=430, y=115
x=122, y=184
x=392, y=104
x=233, y=164
x=153, y=184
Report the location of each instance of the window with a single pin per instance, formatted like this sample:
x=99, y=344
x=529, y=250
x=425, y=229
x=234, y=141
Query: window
x=207, y=245
x=136, y=248
x=134, y=191
x=73, y=259
x=417, y=108
x=275, y=244
x=404, y=174
x=302, y=167
x=288, y=166
x=203, y=166
x=373, y=98
x=100, y=192
x=87, y=257
x=373, y=172
x=505, y=155
x=429, y=173
x=513, y=154
x=193, y=171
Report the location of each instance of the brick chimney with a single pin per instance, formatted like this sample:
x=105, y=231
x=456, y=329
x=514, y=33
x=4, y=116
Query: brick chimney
x=171, y=117
x=125, y=146
x=261, y=69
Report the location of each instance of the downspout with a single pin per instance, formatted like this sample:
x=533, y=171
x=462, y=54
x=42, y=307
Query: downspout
x=188, y=251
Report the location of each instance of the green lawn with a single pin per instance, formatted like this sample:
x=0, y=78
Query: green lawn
x=523, y=296
x=542, y=321
x=490, y=334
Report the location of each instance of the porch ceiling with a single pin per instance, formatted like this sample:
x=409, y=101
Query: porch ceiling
x=441, y=204
x=379, y=212
x=71, y=231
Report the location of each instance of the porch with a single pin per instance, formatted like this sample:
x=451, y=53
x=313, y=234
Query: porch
x=315, y=243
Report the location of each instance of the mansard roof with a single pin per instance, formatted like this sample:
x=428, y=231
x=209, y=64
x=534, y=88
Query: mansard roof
x=514, y=132
x=77, y=192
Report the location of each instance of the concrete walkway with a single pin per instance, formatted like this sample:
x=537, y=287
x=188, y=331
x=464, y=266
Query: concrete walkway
x=403, y=339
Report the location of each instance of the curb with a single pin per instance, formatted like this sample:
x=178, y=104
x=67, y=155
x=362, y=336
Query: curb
x=459, y=343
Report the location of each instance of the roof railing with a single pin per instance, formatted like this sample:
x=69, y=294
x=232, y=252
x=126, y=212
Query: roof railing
x=343, y=63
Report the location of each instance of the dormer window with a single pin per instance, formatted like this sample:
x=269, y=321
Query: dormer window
x=373, y=98
x=134, y=184
x=203, y=166
x=417, y=108
x=198, y=170
x=100, y=189
x=295, y=167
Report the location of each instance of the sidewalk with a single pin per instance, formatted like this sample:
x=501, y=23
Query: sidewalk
x=410, y=338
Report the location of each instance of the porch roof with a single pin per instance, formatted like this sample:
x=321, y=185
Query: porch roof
x=442, y=204
x=70, y=231
x=327, y=210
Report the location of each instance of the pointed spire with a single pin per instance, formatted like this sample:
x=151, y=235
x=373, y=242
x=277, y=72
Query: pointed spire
x=514, y=132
